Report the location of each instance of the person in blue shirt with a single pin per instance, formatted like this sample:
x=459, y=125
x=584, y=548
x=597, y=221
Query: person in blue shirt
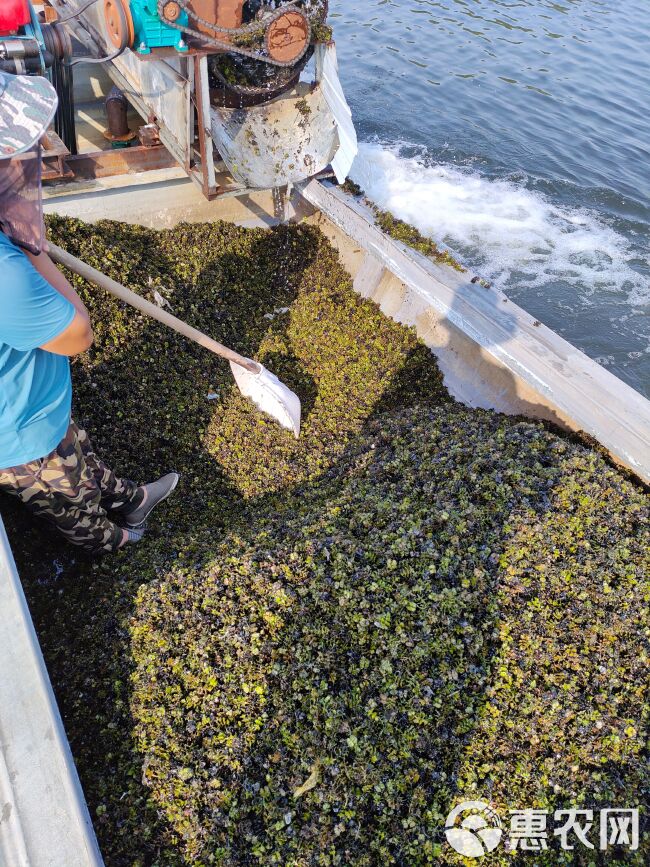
x=45, y=459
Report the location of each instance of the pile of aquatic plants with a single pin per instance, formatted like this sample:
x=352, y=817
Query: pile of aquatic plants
x=422, y=625
x=322, y=645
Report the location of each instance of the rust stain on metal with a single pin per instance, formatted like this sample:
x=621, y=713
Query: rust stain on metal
x=223, y=13
x=171, y=11
x=54, y=154
x=119, y=23
x=108, y=163
x=149, y=135
x=287, y=36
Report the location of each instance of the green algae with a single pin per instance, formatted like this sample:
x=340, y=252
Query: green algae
x=412, y=237
x=414, y=604
x=321, y=32
x=303, y=107
x=405, y=232
x=352, y=187
x=250, y=39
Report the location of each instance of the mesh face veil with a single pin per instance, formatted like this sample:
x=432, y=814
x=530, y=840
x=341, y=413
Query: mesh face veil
x=27, y=106
x=21, y=204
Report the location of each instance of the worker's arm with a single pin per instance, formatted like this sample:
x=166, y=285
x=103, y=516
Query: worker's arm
x=34, y=313
x=78, y=336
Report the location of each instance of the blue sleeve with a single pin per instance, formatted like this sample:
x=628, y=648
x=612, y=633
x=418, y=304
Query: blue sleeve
x=31, y=311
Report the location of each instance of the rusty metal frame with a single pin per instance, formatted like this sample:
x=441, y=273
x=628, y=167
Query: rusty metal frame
x=196, y=153
x=205, y=173
x=53, y=157
x=125, y=70
x=122, y=161
x=54, y=154
x=58, y=164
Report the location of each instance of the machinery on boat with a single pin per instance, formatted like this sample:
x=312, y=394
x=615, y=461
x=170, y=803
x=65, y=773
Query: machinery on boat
x=215, y=81
x=31, y=46
x=22, y=40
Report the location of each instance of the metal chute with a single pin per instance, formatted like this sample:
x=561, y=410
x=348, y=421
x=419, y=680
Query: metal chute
x=292, y=137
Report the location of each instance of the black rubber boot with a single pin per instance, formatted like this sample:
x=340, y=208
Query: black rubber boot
x=156, y=493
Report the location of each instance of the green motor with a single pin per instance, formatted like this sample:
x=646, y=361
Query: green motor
x=137, y=24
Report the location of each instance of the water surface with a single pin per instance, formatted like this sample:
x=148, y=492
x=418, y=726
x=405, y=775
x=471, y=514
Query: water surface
x=518, y=133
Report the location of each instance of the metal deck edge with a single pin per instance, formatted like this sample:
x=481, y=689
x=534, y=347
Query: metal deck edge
x=568, y=387
x=44, y=820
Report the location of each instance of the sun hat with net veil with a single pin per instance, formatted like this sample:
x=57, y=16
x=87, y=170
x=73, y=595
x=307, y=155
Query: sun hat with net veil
x=27, y=107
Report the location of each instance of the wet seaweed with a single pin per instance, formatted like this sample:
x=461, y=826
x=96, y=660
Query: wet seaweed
x=405, y=232
x=322, y=645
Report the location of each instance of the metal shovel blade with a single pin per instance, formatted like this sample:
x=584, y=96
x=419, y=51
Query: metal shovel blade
x=270, y=395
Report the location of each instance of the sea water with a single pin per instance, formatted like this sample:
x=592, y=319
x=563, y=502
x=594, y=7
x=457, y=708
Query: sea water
x=517, y=133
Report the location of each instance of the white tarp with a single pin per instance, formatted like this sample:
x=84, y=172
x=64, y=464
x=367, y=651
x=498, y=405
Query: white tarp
x=327, y=74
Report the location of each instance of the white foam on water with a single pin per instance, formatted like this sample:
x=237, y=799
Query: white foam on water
x=510, y=234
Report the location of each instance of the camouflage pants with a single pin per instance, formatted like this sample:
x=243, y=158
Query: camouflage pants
x=74, y=490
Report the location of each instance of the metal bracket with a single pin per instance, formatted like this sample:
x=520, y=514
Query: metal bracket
x=204, y=172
